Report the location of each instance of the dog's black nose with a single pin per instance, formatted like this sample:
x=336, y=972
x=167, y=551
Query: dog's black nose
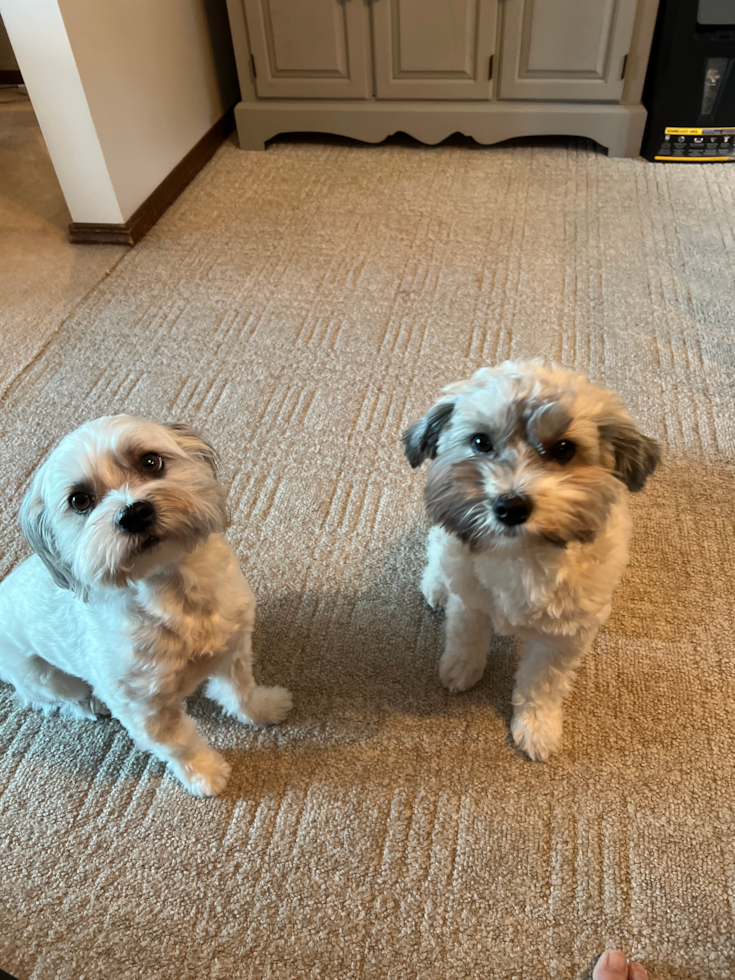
x=511, y=509
x=137, y=517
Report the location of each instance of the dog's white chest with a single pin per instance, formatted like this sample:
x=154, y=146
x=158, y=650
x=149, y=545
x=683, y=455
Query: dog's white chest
x=518, y=589
x=184, y=630
x=193, y=620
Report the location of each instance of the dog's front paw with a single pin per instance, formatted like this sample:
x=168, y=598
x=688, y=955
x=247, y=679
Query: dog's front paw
x=434, y=591
x=90, y=708
x=537, y=731
x=267, y=706
x=458, y=672
x=99, y=708
x=205, y=774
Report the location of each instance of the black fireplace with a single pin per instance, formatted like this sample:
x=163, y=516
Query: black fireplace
x=690, y=85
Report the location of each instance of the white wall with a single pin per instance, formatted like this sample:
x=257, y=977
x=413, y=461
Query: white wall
x=50, y=73
x=152, y=77
x=149, y=71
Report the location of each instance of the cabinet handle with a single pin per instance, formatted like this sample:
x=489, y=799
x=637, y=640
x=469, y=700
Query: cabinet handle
x=252, y=65
x=490, y=67
x=625, y=65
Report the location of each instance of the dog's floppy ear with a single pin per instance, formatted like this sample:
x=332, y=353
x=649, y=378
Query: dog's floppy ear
x=37, y=528
x=420, y=441
x=636, y=455
x=194, y=445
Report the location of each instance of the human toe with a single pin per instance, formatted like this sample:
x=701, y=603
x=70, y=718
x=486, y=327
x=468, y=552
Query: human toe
x=612, y=965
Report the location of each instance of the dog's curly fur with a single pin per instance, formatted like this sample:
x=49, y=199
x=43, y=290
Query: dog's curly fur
x=114, y=616
x=567, y=452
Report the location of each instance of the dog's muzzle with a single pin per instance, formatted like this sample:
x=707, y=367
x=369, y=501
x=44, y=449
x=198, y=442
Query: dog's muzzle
x=137, y=517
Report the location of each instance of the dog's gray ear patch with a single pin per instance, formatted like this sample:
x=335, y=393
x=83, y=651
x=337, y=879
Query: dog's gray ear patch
x=636, y=455
x=421, y=440
x=37, y=529
x=194, y=444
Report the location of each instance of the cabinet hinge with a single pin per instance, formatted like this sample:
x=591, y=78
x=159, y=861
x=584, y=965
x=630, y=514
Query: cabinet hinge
x=490, y=67
x=625, y=65
x=252, y=63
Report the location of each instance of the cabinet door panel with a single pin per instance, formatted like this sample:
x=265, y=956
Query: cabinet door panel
x=433, y=49
x=310, y=49
x=565, y=49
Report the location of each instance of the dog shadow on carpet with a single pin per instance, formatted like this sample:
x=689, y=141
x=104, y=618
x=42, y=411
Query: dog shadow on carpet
x=377, y=649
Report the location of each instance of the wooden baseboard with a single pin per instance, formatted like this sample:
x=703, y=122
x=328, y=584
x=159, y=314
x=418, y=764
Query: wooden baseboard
x=162, y=197
x=10, y=76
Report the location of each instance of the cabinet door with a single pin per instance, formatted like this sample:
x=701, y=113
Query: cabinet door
x=433, y=49
x=565, y=49
x=310, y=49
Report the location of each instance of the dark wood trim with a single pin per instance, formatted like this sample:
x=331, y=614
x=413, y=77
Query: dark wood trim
x=88, y=233
x=164, y=195
x=10, y=76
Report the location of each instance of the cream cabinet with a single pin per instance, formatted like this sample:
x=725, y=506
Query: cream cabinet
x=491, y=69
x=566, y=49
x=309, y=49
x=429, y=50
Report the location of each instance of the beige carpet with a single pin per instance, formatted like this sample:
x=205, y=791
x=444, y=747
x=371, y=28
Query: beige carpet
x=303, y=306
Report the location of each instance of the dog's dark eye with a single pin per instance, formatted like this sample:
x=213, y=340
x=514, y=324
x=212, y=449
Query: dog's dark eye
x=562, y=451
x=481, y=443
x=80, y=502
x=151, y=463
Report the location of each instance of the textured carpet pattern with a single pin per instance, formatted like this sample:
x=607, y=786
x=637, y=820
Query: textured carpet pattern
x=302, y=307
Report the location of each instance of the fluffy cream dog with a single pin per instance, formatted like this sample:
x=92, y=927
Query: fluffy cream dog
x=527, y=489
x=134, y=597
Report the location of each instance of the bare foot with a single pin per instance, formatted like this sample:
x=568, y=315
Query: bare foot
x=613, y=965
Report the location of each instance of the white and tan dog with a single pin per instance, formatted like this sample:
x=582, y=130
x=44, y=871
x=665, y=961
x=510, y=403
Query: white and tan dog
x=527, y=487
x=134, y=597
